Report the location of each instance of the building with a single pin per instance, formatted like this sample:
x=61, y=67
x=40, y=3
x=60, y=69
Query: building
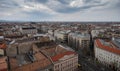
x=67, y=61
x=51, y=32
x=63, y=58
x=24, y=45
x=79, y=40
x=28, y=30
x=1, y=52
x=32, y=60
x=84, y=26
x=108, y=53
x=61, y=35
x=3, y=46
x=95, y=33
x=3, y=64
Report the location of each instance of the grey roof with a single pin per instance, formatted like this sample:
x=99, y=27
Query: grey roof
x=116, y=41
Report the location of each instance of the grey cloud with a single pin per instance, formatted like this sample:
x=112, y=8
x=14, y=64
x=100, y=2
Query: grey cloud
x=37, y=1
x=60, y=6
x=63, y=5
x=41, y=1
x=8, y=4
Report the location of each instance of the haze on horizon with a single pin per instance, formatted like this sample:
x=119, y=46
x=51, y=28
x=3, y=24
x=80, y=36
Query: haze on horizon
x=60, y=10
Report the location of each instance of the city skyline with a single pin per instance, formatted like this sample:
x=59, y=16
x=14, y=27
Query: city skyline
x=60, y=10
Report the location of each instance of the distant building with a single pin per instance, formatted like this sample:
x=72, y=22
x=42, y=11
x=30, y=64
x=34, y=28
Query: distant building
x=108, y=53
x=51, y=32
x=84, y=26
x=61, y=35
x=96, y=32
x=44, y=28
x=28, y=30
x=1, y=52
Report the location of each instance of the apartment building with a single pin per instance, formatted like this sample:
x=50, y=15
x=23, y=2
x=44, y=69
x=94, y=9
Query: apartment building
x=79, y=40
x=28, y=30
x=108, y=53
x=61, y=35
x=63, y=58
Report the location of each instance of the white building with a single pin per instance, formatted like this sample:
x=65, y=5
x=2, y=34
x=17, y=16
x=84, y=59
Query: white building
x=51, y=32
x=61, y=36
x=67, y=62
x=63, y=58
x=28, y=30
x=108, y=53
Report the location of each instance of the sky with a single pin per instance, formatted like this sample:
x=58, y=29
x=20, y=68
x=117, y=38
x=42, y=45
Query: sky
x=60, y=10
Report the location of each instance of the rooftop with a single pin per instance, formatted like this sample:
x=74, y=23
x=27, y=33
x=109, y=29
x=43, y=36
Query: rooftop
x=29, y=59
x=3, y=63
x=59, y=56
x=81, y=35
x=57, y=52
x=26, y=28
x=116, y=42
x=109, y=48
x=2, y=46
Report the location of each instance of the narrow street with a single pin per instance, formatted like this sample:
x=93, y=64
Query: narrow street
x=88, y=64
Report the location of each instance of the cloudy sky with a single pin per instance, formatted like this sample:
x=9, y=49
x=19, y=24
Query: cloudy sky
x=60, y=10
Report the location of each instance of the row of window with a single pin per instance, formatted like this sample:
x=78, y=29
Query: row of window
x=67, y=64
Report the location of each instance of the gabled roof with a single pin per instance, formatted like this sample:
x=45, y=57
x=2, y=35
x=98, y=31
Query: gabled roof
x=59, y=56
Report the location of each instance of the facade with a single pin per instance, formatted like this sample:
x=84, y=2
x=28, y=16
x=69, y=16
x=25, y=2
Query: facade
x=84, y=26
x=28, y=56
x=63, y=58
x=79, y=40
x=28, y=30
x=61, y=36
x=107, y=53
x=3, y=64
x=1, y=52
x=67, y=61
x=51, y=32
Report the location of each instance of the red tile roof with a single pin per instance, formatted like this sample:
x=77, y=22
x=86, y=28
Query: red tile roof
x=58, y=56
x=107, y=48
x=3, y=64
x=2, y=46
